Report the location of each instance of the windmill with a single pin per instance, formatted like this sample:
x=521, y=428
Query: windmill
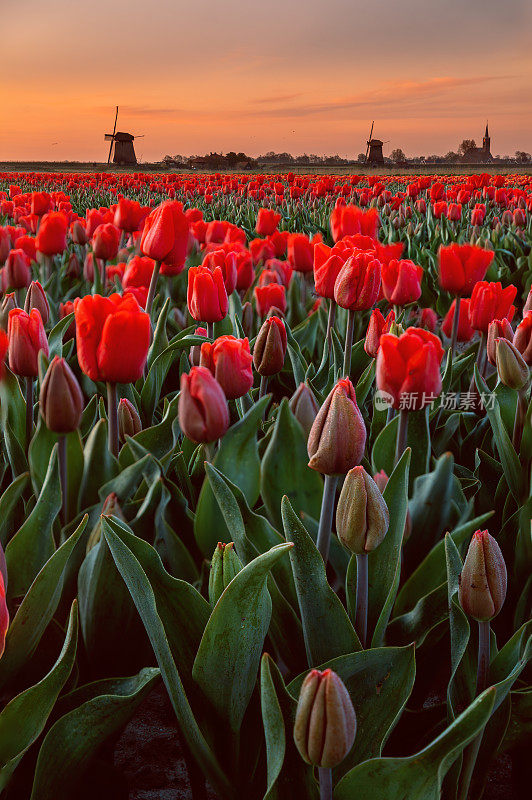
x=124, y=152
x=374, y=149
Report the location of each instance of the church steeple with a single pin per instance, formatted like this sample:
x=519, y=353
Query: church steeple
x=486, y=142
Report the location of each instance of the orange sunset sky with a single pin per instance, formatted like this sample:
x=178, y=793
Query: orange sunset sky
x=256, y=76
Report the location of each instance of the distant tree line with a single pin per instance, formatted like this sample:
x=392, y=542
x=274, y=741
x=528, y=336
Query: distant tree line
x=397, y=156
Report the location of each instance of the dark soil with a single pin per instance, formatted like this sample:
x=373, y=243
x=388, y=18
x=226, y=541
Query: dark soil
x=149, y=756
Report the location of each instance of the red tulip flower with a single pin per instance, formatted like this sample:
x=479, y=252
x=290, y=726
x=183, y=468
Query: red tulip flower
x=229, y=359
x=203, y=411
x=128, y=215
x=41, y=203
x=465, y=331
x=4, y=347
x=408, y=368
x=105, y=241
x=358, y=283
x=17, y=270
x=300, y=252
x=267, y=221
x=206, y=295
x=401, y=281
x=271, y=296
x=226, y=261
x=461, y=266
x=112, y=336
x=27, y=338
x=138, y=272
x=490, y=301
x=165, y=236
x=376, y=327
x=523, y=338
x=51, y=238
x=347, y=220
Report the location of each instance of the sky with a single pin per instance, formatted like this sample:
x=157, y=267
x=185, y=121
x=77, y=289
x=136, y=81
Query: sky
x=260, y=75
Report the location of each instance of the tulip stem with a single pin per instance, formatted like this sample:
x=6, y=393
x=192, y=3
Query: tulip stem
x=153, y=286
x=29, y=412
x=330, y=323
x=63, y=475
x=349, y=342
x=456, y=322
x=483, y=666
x=263, y=386
x=481, y=355
x=361, y=602
x=402, y=434
x=519, y=422
x=325, y=783
x=326, y=515
x=112, y=415
x=210, y=331
x=483, y=655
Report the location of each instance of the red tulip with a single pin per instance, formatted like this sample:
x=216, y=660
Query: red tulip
x=138, y=272
x=300, y=252
x=460, y=266
x=523, y=338
x=401, y=282
x=245, y=273
x=4, y=347
x=105, y=241
x=206, y=295
x=27, y=338
x=112, y=336
x=203, y=411
x=128, y=215
x=497, y=329
x=490, y=301
x=226, y=261
x=327, y=266
x=376, y=327
x=267, y=221
x=408, y=368
x=165, y=236
x=229, y=359
x=41, y=203
x=465, y=331
x=271, y=296
x=51, y=238
x=358, y=283
x=347, y=220
x=17, y=270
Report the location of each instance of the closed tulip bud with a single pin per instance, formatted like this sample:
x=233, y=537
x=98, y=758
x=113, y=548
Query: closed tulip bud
x=482, y=587
x=194, y=355
x=225, y=565
x=61, y=400
x=110, y=508
x=8, y=303
x=36, y=298
x=337, y=438
x=129, y=423
x=376, y=327
x=206, y=294
x=304, y=407
x=73, y=269
x=528, y=305
x=270, y=347
x=325, y=722
x=203, y=411
x=247, y=319
x=78, y=232
x=511, y=366
x=17, y=269
x=362, y=516
x=497, y=329
x=229, y=360
x=27, y=338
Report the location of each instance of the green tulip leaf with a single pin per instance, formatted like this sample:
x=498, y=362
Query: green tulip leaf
x=229, y=654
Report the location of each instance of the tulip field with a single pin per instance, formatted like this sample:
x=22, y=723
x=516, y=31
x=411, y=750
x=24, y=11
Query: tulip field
x=265, y=456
